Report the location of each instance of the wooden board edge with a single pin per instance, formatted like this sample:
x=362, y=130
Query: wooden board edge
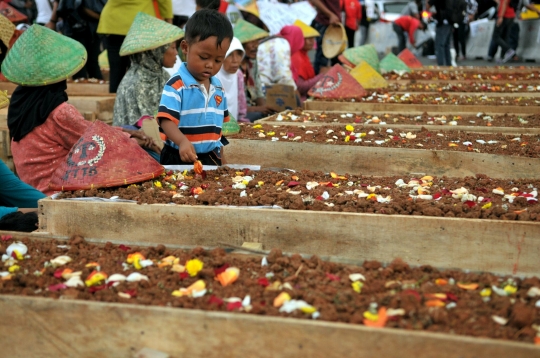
x=63, y=328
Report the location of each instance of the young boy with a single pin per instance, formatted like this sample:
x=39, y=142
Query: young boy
x=193, y=107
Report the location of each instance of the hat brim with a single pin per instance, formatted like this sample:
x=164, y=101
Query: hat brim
x=153, y=47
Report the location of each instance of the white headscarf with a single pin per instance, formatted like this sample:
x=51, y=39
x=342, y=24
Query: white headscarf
x=229, y=81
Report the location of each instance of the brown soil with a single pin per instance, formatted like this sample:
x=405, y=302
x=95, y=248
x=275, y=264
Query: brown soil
x=441, y=98
x=308, y=190
x=478, y=76
x=479, y=119
x=513, y=145
x=465, y=87
x=422, y=298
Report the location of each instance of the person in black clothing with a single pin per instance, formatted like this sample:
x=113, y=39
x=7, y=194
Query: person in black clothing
x=443, y=33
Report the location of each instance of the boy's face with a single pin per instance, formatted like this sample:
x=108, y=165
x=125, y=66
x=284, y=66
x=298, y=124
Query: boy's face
x=204, y=58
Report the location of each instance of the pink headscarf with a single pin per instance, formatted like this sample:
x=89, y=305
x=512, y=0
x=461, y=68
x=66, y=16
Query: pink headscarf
x=294, y=36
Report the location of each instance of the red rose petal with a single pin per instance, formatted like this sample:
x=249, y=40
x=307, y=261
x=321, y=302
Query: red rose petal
x=58, y=273
x=203, y=174
x=183, y=275
x=292, y=184
x=437, y=196
x=231, y=306
x=263, y=281
x=132, y=293
x=450, y=296
x=215, y=300
x=57, y=287
x=412, y=293
x=205, y=186
x=329, y=184
x=97, y=288
x=124, y=247
x=470, y=204
x=221, y=269
x=6, y=237
x=333, y=277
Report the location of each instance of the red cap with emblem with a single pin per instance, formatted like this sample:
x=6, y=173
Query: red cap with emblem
x=104, y=157
x=337, y=83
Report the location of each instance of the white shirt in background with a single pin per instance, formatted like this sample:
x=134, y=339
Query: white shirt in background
x=44, y=9
x=184, y=7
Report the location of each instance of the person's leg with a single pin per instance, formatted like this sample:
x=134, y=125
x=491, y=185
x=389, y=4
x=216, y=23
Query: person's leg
x=465, y=34
x=350, y=36
x=402, y=44
x=439, y=45
x=320, y=60
x=117, y=64
x=499, y=35
x=513, y=36
x=80, y=37
x=492, y=50
x=448, y=39
x=93, y=48
x=455, y=35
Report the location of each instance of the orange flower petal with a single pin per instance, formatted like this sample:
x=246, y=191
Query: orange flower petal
x=198, y=167
x=469, y=286
x=441, y=282
x=228, y=276
x=381, y=322
x=281, y=299
x=434, y=303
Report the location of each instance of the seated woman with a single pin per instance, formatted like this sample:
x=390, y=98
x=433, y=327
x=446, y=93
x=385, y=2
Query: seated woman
x=151, y=45
x=274, y=56
x=249, y=36
x=42, y=125
x=232, y=80
x=302, y=68
x=18, y=202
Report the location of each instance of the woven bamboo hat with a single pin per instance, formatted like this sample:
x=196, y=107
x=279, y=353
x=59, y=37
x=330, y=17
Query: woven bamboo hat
x=147, y=33
x=4, y=99
x=334, y=41
x=307, y=30
x=337, y=83
x=363, y=53
x=104, y=157
x=246, y=32
x=392, y=63
x=41, y=57
x=6, y=30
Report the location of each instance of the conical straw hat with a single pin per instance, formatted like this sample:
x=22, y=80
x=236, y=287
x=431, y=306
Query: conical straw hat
x=366, y=53
x=334, y=41
x=247, y=32
x=409, y=59
x=4, y=100
x=104, y=157
x=147, y=33
x=6, y=30
x=337, y=84
x=307, y=30
x=41, y=57
x=368, y=77
x=391, y=63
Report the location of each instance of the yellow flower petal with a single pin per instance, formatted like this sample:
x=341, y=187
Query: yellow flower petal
x=349, y=128
x=487, y=206
x=194, y=266
x=281, y=299
x=357, y=286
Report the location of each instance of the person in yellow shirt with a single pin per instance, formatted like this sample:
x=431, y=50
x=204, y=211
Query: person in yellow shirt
x=114, y=23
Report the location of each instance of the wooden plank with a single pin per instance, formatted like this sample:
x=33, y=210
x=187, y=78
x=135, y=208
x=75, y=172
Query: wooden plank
x=41, y=327
x=534, y=82
x=404, y=108
x=379, y=161
x=92, y=104
x=404, y=127
x=498, y=94
x=500, y=247
x=73, y=89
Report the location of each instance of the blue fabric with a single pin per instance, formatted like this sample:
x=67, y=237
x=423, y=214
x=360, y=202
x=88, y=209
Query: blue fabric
x=442, y=45
x=15, y=194
x=199, y=119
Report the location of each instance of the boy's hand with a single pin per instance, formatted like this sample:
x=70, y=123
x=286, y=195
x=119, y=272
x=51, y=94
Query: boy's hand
x=187, y=151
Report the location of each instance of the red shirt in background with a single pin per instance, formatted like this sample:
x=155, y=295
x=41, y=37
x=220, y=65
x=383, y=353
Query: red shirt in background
x=510, y=13
x=353, y=13
x=409, y=24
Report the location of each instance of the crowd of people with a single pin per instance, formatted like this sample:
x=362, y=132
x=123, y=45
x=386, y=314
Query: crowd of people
x=187, y=67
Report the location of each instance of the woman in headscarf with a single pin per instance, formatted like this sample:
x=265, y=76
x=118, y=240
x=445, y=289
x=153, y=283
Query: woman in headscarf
x=302, y=68
x=274, y=56
x=43, y=127
x=249, y=36
x=151, y=45
x=232, y=80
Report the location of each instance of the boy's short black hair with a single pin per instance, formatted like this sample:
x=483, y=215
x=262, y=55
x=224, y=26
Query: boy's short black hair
x=207, y=23
x=208, y=4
